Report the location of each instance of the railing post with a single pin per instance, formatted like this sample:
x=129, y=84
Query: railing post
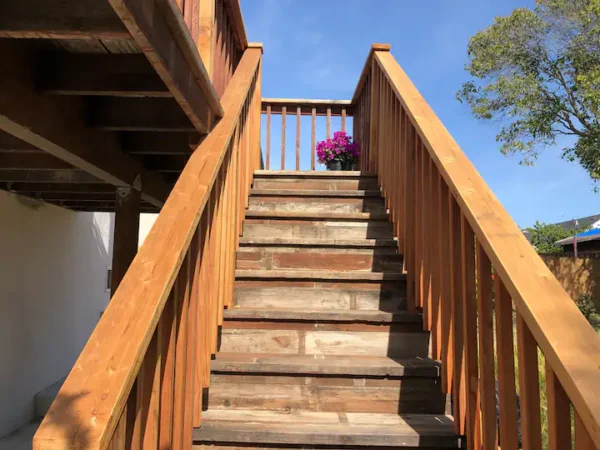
x=126, y=232
x=206, y=44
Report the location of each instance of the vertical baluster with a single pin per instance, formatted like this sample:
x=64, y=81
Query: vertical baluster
x=283, y=113
x=401, y=184
x=343, y=119
x=298, y=116
x=183, y=296
x=531, y=422
x=207, y=300
x=118, y=440
x=410, y=212
x=220, y=243
x=167, y=338
x=268, y=158
x=201, y=314
x=559, y=413
x=583, y=440
x=230, y=224
x=469, y=306
x=213, y=303
x=425, y=223
x=383, y=142
x=434, y=237
x=506, y=372
x=418, y=214
x=328, y=123
x=313, y=137
x=446, y=313
x=374, y=119
x=458, y=386
x=191, y=340
x=487, y=384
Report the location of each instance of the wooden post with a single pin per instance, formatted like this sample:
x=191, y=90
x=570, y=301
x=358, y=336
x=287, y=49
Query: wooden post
x=127, y=227
x=205, y=37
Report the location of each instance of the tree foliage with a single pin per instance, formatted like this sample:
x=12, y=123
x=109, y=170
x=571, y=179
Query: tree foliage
x=538, y=73
x=544, y=236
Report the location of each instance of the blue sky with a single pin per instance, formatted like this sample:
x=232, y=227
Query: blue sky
x=317, y=48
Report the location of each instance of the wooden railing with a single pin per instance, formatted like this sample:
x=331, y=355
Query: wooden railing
x=220, y=37
x=317, y=109
x=470, y=269
x=138, y=382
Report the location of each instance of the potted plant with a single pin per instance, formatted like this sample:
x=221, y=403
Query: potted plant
x=339, y=152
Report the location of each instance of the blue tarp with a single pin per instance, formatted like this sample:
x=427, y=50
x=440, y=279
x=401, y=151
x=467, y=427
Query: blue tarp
x=593, y=232
x=590, y=235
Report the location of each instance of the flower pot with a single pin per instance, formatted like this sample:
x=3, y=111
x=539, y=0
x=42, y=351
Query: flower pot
x=348, y=165
x=334, y=165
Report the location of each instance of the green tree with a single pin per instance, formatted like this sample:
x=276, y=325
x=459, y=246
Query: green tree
x=544, y=236
x=537, y=72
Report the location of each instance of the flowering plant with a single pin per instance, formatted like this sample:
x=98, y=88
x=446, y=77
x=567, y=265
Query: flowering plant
x=339, y=148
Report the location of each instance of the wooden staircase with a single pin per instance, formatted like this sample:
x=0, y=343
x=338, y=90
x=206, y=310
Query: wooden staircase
x=319, y=349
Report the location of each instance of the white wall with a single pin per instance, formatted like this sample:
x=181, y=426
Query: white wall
x=53, y=265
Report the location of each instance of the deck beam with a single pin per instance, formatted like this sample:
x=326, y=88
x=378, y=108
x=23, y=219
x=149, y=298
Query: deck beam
x=57, y=125
x=58, y=19
x=118, y=75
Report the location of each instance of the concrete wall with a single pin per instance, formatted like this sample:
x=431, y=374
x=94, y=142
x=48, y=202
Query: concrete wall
x=53, y=268
x=577, y=275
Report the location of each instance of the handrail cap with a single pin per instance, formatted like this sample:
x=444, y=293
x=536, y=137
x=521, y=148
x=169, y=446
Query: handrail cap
x=257, y=45
x=378, y=47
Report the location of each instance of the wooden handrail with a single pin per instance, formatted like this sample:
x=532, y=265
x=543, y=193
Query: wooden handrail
x=436, y=196
x=302, y=107
x=196, y=232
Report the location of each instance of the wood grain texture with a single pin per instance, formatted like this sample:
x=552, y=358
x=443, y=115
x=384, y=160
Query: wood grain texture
x=55, y=125
x=529, y=387
x=122, y=336
x=487, y=384
x=283, y=116
x=161, y=33
x=298, y=116
x=558, y=328
x=559, y=413
x=506, y=371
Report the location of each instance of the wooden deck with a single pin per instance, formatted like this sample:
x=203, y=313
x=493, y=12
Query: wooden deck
x=99, y=95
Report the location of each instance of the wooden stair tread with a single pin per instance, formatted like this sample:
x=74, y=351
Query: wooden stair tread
x=327, y=428
x=315, y=193
x=307, y=242
x=377, y=366
x=308, y=215
x=312, y=174
x=319, y=275
x=320, y=315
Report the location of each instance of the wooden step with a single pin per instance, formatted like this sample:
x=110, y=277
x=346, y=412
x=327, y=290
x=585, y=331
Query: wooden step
x=316, y=203
x=316, y=193
x=364, y=366
x=326, y=428
x=319, y=243
x=316, y=174
x=315, y=182
x=382, y=259
x=330, y=216
x=319, y=315
x=396, y=340
x=317, y=275
x=320, y=294
x=291, y=228
x=285, y=392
